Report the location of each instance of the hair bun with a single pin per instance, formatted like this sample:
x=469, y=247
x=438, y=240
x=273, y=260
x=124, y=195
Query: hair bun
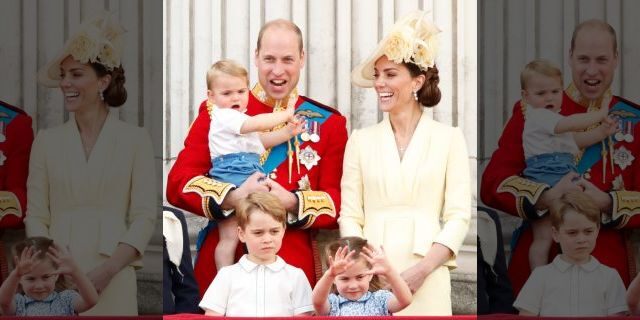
x=116, y=94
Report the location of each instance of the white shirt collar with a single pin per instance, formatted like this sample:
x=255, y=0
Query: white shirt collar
x=249, y=265
x=563, y=265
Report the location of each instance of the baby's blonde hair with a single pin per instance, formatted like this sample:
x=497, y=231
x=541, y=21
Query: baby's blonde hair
x=539, y=67
x=226, y=67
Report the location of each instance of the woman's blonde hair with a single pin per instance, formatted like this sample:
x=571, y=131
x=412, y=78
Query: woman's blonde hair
x=353, y=244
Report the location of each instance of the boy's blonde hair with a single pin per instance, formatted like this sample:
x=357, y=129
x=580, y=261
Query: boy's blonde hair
x=539, y=67
x=226, y=67
x=353, y=244
x=577, y=202
x=263, y=201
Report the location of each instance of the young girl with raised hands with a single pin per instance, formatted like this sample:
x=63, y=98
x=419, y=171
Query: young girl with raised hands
x=38, y=271
x=349, y=286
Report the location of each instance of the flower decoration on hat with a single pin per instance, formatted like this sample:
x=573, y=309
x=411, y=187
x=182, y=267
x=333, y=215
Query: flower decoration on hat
x=413, y=43
x=410, y=40
x=98, y=40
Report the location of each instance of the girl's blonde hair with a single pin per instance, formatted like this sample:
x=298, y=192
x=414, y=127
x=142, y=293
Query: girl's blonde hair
x=41, y=246
x=225, y=67
x=356, y=244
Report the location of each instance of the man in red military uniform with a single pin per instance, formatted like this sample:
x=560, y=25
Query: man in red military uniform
x=304, y=173
x=16, y=137
x=610, y=170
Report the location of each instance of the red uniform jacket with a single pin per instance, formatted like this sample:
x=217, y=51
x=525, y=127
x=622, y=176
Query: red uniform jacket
x=503, y=189
x=297, y=245
x=16, y=137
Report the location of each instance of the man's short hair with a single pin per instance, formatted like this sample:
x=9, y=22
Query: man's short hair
x=226, y=67
x=595, y=24
x=262, y=201
x=539, y=67
x=577, y=202
x=280, y=23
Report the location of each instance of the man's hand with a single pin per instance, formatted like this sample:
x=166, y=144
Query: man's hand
x=566, y=184
x=254, y=183
x=599, y=197
x=287, y=198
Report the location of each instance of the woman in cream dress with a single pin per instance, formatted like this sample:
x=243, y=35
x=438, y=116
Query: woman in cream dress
x=91, y=182
x=410, y=194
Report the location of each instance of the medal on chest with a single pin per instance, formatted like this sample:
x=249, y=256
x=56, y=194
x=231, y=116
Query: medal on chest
x=309, y=157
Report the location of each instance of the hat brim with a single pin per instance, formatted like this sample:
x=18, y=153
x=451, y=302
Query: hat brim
x=49, y=75
x=363, y=74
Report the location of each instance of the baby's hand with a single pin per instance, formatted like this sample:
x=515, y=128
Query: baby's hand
x=604, y=108
x=608, y=126
x=341, y=262
x=290, y=110
x=296, y=125
x=378, y=260
x=27, y=261
x=62, y=257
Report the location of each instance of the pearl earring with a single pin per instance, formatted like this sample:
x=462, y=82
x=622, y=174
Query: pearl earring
x=415, y=95
x=101, y=95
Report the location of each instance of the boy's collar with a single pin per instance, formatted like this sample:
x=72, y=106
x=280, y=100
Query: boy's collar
x=249, y=265
x=563, y=265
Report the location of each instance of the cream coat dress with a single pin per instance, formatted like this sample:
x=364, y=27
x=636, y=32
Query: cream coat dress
x=408, y=205
x=93, y=205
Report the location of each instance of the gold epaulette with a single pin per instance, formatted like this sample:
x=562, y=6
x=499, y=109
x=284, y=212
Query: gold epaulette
x=9, y=204
x=625, y=205
x=312, y=204
x=522, y=189
x=208, y=188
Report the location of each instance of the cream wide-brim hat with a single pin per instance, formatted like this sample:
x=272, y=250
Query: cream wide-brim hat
x=411, y=39
x=97, y=40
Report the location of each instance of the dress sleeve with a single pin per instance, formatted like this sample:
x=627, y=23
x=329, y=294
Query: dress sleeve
x=67, y=297
x=38, y=217
x=456, y=212
x=20, y=304
x=351, y=218
x=217, y=295
x=142, y=213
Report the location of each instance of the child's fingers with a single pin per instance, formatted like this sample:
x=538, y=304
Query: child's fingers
x=54, y=251
x=330, y=261
x=350, y=255
x=53, y=257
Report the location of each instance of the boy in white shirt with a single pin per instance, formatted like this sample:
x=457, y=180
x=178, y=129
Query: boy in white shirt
x=261, y=284
x=551, y=141
x=575, y=283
